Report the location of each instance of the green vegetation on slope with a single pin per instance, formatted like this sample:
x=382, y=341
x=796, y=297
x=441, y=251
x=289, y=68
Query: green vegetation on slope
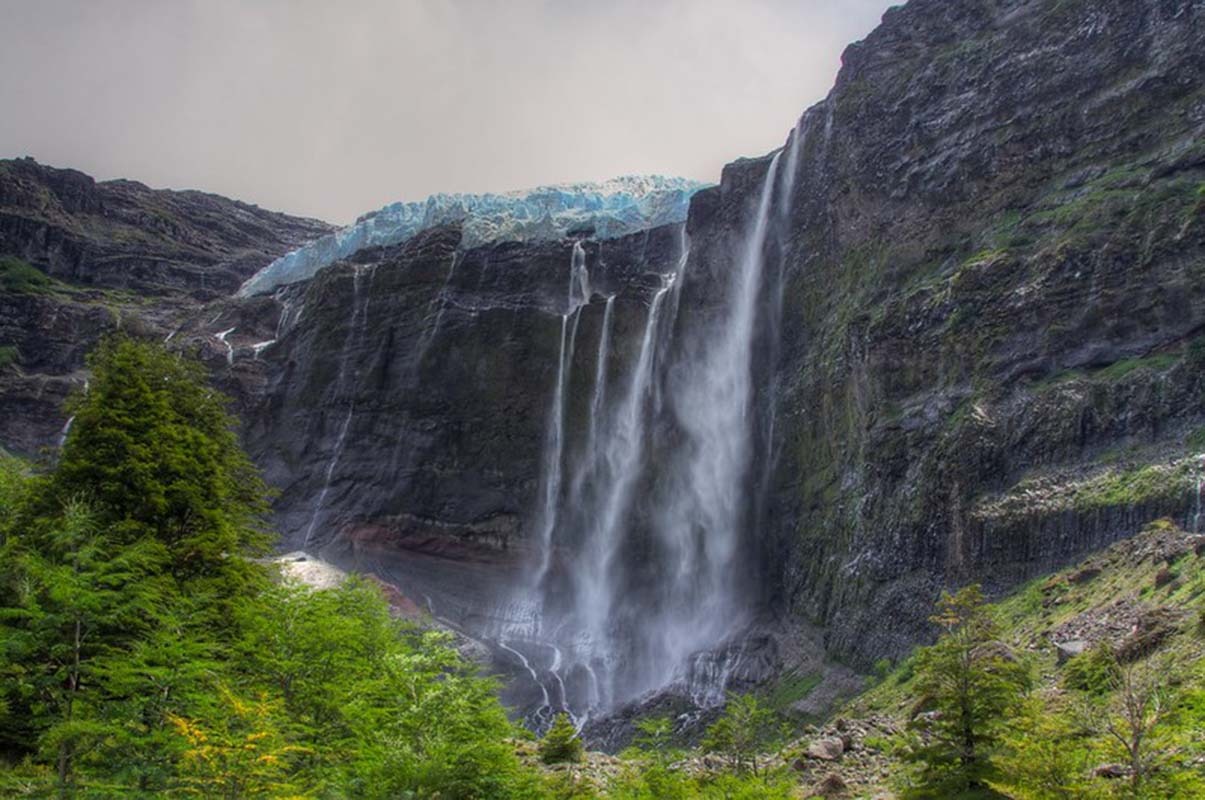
x=144, y=654
x=18, y=277
x=1115, y=652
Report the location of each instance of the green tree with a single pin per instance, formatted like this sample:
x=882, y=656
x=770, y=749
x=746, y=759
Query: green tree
x=561, y=743
x=121, y=568
x=154, y=450
x=972, y=683
x=744, y=730
x=654, y=740
x=1135, y=720
x=384, y=709
x=1045, y=754
x=77, y=604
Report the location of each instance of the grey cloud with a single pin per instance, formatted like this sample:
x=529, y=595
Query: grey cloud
x=332, y=109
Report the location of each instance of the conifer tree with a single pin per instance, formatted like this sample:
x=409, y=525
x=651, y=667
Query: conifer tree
x=154, y=450
x=561, y=744
x=745, y=729
x=972, y=682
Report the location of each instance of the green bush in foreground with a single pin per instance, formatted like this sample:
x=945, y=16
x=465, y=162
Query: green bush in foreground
x=144, y=654
x=1094, y=671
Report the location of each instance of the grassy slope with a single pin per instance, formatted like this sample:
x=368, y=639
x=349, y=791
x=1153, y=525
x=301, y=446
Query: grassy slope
x=1157, y=576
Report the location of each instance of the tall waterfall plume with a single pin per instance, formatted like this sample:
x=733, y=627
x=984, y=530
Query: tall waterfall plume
x=645, y=505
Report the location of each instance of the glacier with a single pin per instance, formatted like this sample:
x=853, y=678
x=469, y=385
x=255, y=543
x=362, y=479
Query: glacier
x=610, y=208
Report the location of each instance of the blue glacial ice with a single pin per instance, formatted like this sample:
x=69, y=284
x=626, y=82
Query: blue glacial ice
x=611, y=208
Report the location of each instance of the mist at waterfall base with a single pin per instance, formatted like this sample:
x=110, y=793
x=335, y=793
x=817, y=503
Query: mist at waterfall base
x=644, y=559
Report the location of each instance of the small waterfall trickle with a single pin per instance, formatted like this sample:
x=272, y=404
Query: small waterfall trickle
x=66, y=431
x=289, y=315
x=355, y=334
x=433, y=321
x=1196, y=517
x=221, y=337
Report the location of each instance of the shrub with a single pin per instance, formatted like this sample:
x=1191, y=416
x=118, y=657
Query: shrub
x=1094, y=671
x=561, y=744
x=19, y=277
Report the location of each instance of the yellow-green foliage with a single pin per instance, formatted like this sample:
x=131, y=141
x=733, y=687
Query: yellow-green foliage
x=1095, y=671
x=1129, y=487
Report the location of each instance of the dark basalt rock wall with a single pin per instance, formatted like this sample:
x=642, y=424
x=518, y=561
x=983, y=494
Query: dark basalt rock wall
x=995, y=290
x=411, y=386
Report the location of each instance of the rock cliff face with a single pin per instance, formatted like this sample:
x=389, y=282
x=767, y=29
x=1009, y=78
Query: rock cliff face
x=978, y=348
x=119, y=255
x=123, y=235
x=994, y=304
x=411, y=385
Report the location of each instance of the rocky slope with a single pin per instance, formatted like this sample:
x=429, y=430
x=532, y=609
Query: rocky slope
x=122, y=235
x=119, y=255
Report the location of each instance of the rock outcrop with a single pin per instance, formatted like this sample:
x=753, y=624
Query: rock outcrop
x=119, y=255
x=994, y=299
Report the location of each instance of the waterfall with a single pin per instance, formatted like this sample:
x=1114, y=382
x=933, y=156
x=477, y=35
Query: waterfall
x=655, y=508
x=619, y=459
x=554, y=442
x=703, y=518
x=355, y=334
x=229, y=347
x=1196, y=517
x=675, y=301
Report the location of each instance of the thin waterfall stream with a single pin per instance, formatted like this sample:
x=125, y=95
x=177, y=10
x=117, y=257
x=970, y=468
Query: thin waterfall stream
x=355, y=331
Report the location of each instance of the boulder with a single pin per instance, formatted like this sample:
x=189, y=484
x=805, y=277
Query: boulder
x=1068, y=650
x=827, y=749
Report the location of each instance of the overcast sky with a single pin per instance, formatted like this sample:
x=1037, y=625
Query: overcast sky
x=332, y=109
